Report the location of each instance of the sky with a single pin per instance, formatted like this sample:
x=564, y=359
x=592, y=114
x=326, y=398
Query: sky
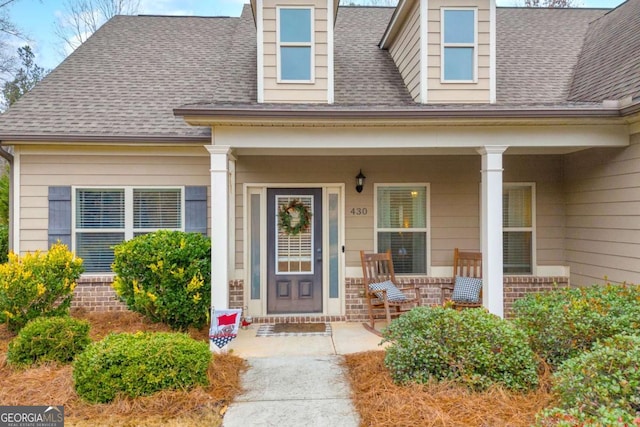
x=36, y=18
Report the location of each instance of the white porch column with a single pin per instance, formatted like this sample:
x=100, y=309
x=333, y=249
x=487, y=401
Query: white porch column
x=491, y=229
x=221, y=168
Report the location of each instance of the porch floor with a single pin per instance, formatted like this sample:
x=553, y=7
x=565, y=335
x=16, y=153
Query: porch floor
x=345, y=338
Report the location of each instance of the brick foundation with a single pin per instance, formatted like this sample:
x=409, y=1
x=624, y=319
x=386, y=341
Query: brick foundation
x=96, y=294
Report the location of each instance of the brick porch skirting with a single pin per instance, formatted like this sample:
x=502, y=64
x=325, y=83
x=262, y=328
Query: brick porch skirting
x=95, y=293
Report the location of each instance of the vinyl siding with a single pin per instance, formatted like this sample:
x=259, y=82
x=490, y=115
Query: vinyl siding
x=41, y=167
x=405, y=52
x=439, y=92
x=317, y=91
x=603, y=207
x=455, y=196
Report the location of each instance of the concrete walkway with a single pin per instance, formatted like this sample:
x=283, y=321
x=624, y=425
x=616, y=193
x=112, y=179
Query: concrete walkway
x=297, y=381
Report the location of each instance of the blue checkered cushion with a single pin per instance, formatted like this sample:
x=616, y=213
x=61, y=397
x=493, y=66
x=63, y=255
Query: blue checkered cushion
x=393, y=293
x=466, y=289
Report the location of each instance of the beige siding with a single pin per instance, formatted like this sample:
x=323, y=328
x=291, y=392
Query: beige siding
x=405, y=52
x=41, y=167
x=603, y=211
x=478, y=92
x=455, y=196
x=317, y=91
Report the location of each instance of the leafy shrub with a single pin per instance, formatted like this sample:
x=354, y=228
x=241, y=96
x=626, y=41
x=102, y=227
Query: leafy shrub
x=37, y=284
x=166, y=276
x=48, y=339
x=564, y=323
x=605, y=417
x=606, y=377
x=140, y=364
x=4, y=243
x=471, y=347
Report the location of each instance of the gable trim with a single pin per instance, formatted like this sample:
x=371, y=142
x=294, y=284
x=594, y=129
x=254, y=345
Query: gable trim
x=424, y=51
x=330, y=45
x=492, y=53
x=260, y=50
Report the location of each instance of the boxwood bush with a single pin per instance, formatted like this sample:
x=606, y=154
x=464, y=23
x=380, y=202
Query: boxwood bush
x=49, y=339
x=564, y=323
x=471, y=347
x=166, y=276
x=37, y=284
x=140, y=364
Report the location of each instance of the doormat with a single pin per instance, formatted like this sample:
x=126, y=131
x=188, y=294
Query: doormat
x=294, y=329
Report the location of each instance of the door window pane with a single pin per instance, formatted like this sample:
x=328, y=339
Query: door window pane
x=294, y=253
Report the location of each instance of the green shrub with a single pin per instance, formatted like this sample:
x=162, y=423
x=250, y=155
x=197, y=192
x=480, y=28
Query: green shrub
x=564, y=323
x=4, y=243
x=471, y=347
x=606, y=377
x=140, y=364
x=605, y=417
x=37, y=284
x=166, y=276
x=49, y=339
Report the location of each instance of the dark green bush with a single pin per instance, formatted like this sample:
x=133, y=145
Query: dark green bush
x=606, y=377
x=564, y=323
x=4, y=243
x=166, y=276
x=605, y=417
x=139, y=365
x=471, y=347
x=37, y=284
x=49, y=339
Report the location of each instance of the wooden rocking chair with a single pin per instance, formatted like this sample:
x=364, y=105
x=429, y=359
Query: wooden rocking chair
x=465, y=264
x=381, y=290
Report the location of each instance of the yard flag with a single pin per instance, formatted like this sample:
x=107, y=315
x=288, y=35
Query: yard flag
x=224, y=326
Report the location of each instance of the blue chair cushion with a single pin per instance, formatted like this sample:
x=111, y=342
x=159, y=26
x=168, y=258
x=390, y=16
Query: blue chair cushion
x=466, y=289
x=393, y=293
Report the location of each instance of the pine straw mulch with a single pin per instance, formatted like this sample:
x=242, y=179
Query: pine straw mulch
x=381, y=403
x=52, y=384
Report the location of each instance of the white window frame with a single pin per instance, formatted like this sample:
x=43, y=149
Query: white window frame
x=426, y=229
x=473, y=45
x=310, y=44
x=531, y=229
x=128, y=230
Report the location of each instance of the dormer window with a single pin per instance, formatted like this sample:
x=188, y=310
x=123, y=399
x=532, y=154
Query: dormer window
x=459, y=46
x=295, y=44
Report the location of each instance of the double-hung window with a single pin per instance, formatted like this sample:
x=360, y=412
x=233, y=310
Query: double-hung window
x=459, y=45
x=105, y=217
x=518, y=218
x=295, y=44
x=401, y=225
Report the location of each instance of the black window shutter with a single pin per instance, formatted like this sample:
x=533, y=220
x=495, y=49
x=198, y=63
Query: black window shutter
x=60, y=215
x=195, y=201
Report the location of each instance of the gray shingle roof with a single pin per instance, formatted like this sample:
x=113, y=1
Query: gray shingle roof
x=537, y=51
x=609, y=64
x=125, y=81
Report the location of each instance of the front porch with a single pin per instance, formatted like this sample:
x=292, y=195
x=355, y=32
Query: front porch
x=95, y=294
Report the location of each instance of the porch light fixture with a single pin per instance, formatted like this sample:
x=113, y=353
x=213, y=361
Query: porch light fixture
x=360, y=181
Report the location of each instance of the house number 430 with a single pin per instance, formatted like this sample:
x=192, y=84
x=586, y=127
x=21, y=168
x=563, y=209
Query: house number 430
x=359, y=211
